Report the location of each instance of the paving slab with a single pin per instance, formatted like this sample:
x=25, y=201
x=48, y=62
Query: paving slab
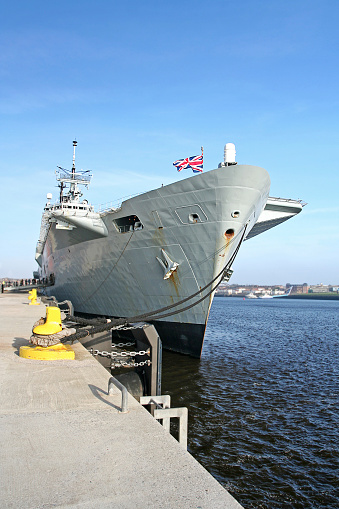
x=65, y=444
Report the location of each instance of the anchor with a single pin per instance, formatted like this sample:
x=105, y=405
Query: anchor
x=167, y=264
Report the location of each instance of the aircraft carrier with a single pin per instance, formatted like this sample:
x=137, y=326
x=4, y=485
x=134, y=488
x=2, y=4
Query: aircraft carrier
x=159, y=255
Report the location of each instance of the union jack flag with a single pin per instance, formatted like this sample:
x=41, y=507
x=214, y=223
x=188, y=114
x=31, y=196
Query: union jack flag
x=194, y=163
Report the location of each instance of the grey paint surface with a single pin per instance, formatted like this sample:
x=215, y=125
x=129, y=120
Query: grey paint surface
x=65, y=444
x=119, y=275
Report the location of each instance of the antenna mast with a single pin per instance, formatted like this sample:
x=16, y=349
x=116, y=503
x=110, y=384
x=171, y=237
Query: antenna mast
x=73, y=167
x=73, y=178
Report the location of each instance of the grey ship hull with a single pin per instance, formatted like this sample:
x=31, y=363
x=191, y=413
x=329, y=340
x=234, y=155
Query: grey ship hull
x=121, y=275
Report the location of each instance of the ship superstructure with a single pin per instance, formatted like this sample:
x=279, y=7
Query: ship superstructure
x=155, y=250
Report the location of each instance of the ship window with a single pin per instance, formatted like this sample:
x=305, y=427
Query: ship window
x=128, y=224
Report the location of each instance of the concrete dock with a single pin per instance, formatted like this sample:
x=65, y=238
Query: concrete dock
x=65, y=444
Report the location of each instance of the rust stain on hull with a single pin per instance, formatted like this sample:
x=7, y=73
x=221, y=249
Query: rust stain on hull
x=174, y=280
x=228, y=236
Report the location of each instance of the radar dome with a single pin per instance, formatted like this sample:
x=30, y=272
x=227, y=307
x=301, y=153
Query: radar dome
x=229, y=153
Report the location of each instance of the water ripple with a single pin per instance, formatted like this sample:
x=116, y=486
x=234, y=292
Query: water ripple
x=263, y=401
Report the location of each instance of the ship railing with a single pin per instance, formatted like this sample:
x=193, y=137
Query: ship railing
x=113, y=205
x=44, y=229
x=288, y=200
x=107, y=207
x=77, y=176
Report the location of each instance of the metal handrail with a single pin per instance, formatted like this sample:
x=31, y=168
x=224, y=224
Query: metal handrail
x=124, y=393
x=182, y=414
x=164, y=413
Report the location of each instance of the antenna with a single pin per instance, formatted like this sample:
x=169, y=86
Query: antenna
x=73, y=167
x=73, y=179
x=61, y=186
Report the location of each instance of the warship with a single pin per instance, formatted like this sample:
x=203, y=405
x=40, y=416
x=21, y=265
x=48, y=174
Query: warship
x=159, y=255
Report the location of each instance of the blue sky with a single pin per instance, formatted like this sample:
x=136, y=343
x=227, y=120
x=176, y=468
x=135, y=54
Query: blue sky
x=141, y=84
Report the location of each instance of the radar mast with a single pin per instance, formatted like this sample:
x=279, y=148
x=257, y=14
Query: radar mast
x=73, y=178
x=73, y=166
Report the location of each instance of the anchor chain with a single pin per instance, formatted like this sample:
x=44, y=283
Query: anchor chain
x=123, y=353
x=128, y=327
x=121, y=345
x=122, y=364
x=115, y=356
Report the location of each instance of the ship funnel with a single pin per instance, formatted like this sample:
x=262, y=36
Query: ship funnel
x=229, y=154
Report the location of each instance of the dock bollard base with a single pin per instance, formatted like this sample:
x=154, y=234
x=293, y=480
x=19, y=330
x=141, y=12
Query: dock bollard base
x=47, y=353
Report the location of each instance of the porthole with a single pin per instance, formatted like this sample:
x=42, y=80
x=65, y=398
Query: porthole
x=194, y=218
x=235, y=213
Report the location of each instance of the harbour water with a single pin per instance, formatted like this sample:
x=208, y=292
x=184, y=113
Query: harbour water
x=263, y=401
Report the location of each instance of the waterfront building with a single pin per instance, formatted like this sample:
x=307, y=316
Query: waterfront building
x=298, y=288
x=319, y=288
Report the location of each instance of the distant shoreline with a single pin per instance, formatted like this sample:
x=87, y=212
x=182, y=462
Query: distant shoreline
x=309, y=296
x=318, y=296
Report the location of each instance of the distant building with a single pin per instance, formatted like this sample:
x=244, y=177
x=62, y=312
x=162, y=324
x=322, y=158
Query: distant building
x=278, y=291
x=298, y=288
x=240, y=290
x=319, y=288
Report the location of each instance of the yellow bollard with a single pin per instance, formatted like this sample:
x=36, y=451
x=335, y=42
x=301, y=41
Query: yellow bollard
x=55, y=352
x=47, y=353
x=32, y=296
x=52, y=323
